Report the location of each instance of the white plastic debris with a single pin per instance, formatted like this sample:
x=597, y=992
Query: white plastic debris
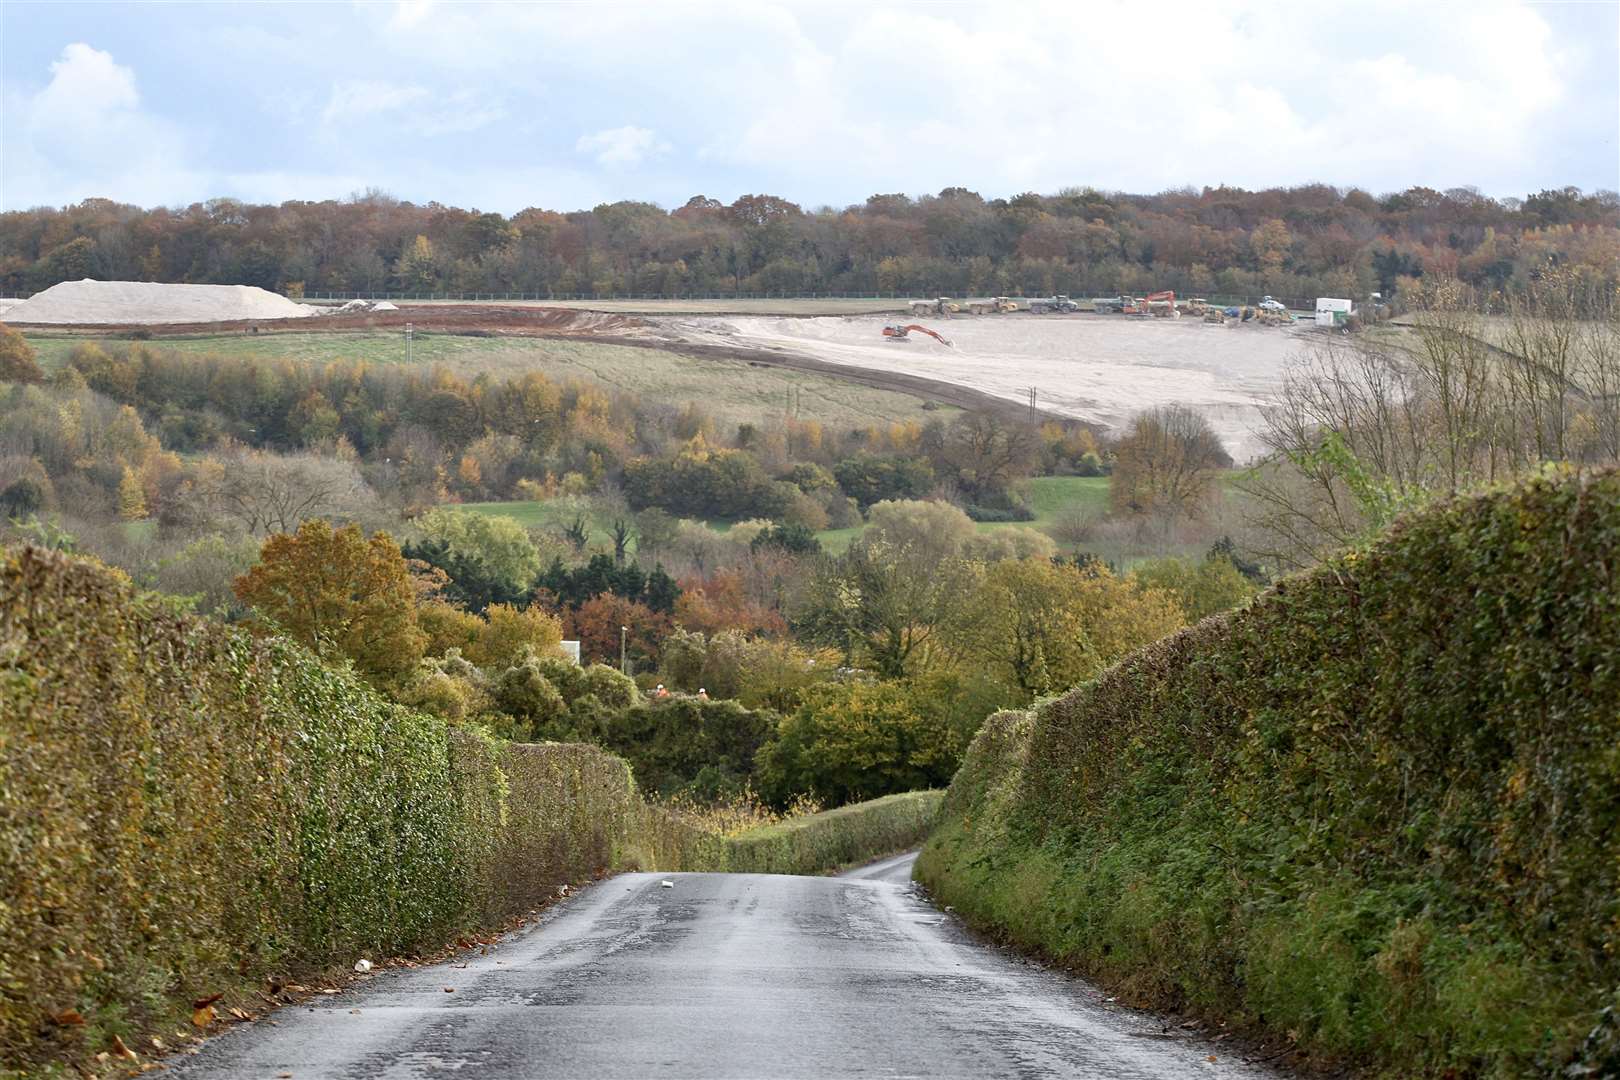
x=666, y=884
x=362, y=966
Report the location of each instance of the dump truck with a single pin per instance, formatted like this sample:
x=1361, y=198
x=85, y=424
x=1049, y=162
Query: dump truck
x=996, y=305
x=940, y=305
x=1060, y=304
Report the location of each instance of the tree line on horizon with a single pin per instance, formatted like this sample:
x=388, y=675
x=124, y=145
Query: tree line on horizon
x=1309, y=240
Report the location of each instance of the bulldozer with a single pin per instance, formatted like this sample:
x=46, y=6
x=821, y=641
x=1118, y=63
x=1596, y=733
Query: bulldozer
x=996, y=305
x=940, y=305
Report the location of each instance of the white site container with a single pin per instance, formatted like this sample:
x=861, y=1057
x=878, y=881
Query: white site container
x=1331, y=312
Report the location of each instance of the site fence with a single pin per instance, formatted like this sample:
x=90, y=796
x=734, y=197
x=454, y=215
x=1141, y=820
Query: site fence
x=899, y=299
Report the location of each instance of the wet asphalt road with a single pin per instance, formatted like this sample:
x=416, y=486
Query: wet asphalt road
x=724, y=975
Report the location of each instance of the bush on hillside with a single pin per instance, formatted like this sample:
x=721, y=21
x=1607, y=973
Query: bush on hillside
x=1379, y=808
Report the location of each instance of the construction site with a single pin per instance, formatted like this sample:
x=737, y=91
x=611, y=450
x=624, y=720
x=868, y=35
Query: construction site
x=1099, y=360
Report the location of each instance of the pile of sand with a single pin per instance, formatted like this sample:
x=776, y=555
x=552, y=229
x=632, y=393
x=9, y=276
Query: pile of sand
x=95, y=302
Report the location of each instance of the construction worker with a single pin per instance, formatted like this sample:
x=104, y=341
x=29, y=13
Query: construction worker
x=660, y=692
x=703, y=695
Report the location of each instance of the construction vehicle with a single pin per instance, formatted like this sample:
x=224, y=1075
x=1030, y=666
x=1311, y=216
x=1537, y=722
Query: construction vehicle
x=1197, y=306
x=1162, y=304
x=1060, y=304
x=1119, y=305
x=898, y=333
x=1273, y=313
x=996, y=305
x=940, y=305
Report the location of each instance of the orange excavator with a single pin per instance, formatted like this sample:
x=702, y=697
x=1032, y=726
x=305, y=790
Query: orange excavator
x=1162, y=304
x=900, y=333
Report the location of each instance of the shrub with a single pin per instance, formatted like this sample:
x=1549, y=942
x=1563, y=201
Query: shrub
x=868, y=479
x=1377, y=808
x=18, y=362
x=1017, y=512
x=688, y=744
x=858, y=740
x=528, y=697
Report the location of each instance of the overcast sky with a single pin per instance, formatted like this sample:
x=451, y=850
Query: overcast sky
x=566, y=105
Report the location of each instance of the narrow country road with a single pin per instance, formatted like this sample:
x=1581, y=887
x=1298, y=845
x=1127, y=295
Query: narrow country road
x=723, y=975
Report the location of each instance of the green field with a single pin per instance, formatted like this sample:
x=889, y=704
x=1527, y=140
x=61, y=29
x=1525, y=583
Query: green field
x=729, y=388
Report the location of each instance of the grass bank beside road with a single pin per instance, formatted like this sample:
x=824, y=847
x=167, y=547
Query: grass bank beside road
x=812, y=844
x=1377, y=812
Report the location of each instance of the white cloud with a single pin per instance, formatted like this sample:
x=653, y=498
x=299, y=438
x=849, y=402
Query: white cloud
x=621, y=146
x=85, y=134
x=412, y=109
x=821, y=102
x=353, y=100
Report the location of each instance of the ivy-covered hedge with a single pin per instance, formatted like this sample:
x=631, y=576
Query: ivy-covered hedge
x=1378, y=810
x=185, y=808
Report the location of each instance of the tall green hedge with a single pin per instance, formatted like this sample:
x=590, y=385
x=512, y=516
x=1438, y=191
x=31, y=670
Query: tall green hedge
x=1379, y=809
x=184, y=806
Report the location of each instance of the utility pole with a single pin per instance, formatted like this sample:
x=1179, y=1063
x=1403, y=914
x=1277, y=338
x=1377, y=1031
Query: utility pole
x=409, y=330
x=1032, y=404
x=624, y=655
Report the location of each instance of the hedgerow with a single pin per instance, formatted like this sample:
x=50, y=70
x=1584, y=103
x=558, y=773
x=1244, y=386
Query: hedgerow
x=809, y=844
x=187, y=808
x=183, y=806
x=1379, y=809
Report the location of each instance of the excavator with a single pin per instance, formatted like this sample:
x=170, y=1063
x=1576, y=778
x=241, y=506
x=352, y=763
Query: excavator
x=1162, y=304
x=900, y=333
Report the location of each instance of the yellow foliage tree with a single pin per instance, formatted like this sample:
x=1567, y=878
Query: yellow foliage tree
x=1039, y=627
x=131, y=496
x=339, y=590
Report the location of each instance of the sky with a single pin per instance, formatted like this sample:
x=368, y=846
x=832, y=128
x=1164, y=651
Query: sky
x=502, y=106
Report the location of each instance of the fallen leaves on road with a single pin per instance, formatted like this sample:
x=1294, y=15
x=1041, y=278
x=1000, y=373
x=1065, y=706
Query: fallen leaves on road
x=121, y=1050
x=203, y=1017
x=69, y=1018
x=449, y=989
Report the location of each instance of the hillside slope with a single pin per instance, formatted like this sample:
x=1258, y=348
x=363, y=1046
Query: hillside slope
x=1377, y=811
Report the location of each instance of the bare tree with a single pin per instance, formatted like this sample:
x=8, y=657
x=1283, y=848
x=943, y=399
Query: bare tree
x=270, y=493
x=1166, y=464
x=1370, y=425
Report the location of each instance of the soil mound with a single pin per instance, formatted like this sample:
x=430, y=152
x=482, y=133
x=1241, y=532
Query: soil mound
x=90, y=302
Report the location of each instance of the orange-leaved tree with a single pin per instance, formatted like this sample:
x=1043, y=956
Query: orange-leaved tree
x=597, y=624
x=338, y=590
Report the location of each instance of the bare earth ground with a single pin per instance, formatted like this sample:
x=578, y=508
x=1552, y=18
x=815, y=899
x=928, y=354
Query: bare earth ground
x=1099, y=369
x=826, y=306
